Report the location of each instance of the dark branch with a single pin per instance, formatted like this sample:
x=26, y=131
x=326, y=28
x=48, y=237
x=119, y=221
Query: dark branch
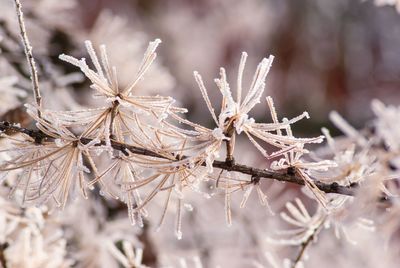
x=225, y=165
x=3, y=261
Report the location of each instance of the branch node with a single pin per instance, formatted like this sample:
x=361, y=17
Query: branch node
x=255, y=179
x=230, y=163
x=334, y=186
x=291, y=171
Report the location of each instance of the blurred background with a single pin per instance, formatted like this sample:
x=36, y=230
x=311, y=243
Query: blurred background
x=329, y=55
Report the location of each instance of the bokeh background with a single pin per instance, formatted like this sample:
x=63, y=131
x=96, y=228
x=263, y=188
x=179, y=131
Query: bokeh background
x=329, y=55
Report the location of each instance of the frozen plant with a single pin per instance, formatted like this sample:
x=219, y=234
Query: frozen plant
x=137, y=152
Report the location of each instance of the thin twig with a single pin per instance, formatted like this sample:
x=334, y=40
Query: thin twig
x=29, y=55
x=305, y=244
x=225, y=165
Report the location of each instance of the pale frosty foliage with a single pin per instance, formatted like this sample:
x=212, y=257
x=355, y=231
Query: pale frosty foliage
x=31, y=237
x=127, y=42
x=55, y=84
x=385, y=128
x=52, y=13
x=234, y=118
x=55, y=168
x=37, y=237
x=182, y=262
x=142, y=151
x=395, y=3
x=10, y=95
x=352, y=255
x=308, y=227
x=376, y=162
x=95, y=244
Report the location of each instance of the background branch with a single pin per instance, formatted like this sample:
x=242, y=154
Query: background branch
x=3, y=261
x=305, y=244
x=29, y=55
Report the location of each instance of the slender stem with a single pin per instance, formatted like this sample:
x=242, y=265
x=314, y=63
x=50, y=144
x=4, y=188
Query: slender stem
x=29, y=55
x=305, y=245
x=225, y=165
